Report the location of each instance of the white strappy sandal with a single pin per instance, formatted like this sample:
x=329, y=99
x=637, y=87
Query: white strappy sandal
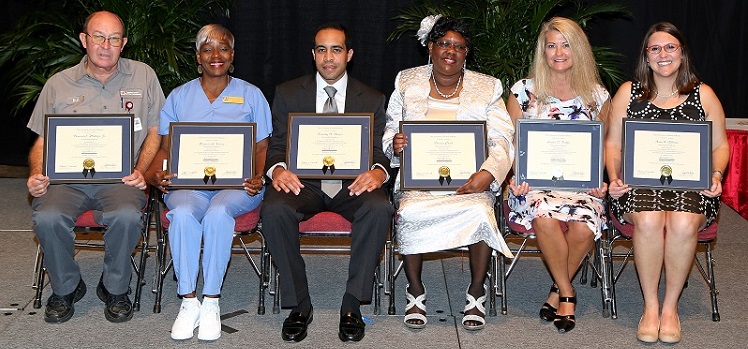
x=472, y=303
x=418, y=303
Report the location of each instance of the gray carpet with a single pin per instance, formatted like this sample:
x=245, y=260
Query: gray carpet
x=22, y=326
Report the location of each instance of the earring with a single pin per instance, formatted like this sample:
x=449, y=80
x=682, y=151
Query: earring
x=231, y=68
x=200, y=69
x=429, y=67
x=464, y=66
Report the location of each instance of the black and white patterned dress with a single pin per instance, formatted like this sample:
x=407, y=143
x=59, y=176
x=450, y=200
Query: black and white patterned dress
x=638, y=200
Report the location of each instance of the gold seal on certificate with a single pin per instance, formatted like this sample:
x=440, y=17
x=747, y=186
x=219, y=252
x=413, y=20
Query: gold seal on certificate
x=444, y=173
x=328, y=162
x=88, y=167
x=210, y=173
x=666, y=174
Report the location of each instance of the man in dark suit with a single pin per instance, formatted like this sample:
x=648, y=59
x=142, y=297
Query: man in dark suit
x=362, y=200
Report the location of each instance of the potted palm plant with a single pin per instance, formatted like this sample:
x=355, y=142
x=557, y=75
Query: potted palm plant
x=160, y=33
x=504, y=31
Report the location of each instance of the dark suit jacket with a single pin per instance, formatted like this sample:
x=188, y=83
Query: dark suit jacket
x=299, y=95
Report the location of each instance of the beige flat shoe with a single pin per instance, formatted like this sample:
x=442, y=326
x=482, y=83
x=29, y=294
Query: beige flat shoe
x=670, y=335
x=647, y=335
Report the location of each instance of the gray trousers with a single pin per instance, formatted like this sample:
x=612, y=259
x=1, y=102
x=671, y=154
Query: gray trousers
x=116, y=206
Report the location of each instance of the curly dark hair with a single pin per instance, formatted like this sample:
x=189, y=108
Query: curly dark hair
x=445, y=24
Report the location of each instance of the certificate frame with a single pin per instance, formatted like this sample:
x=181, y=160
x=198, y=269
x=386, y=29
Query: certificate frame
x=475, y=153
x=302, y=150
x=545, y=149
x=695, y=174
x=57, y=132
x=241, y=133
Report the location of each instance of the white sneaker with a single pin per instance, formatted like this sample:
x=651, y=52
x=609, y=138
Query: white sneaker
x=187, y=320
x=210, y=320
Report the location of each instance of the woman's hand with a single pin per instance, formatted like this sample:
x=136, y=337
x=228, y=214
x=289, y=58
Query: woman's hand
x=161, y=180
x=253, y=186
x=518, y=190
x=716, y=188
x=478, y=182
x=398, y=143
x=599, y=192
x=617, y=188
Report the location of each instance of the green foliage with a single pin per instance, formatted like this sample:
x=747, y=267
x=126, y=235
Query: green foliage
x=160, y=33
x=504, y=31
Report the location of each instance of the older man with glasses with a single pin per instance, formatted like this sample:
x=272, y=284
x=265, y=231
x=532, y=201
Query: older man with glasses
x=102, y=83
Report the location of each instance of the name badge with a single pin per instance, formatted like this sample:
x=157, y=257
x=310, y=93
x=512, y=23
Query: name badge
x=136, y=125
x=132, y=93
x=233, y=100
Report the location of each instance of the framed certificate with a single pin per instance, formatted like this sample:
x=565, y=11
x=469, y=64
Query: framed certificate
x=211, y=155
x=329, y=146
x=559, y=154
x=88, y=148
x=668, y=154
x=441, y=155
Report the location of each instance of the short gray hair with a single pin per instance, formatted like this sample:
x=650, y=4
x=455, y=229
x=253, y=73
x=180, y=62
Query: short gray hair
x=213, y=32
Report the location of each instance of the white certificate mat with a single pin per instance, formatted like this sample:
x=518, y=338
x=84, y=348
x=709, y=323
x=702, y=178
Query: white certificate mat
x=211, y=155
x=101, y=143
x=430, y=151
x=87, y=148
x=342, y=142
x=666, y=154
x=224, y=152
x=559, y=155
x=441, y=155
x=679, y=150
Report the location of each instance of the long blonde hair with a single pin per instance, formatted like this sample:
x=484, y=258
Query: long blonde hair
x=584, y=75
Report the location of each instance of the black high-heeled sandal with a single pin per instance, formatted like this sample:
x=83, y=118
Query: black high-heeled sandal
x=547, y=311
x=565, y=323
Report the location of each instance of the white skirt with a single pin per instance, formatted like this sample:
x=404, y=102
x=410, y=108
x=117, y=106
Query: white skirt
x=429, y=223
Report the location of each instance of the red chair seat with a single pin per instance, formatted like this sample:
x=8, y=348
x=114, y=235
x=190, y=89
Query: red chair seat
x=86, y=220
x=325, y=223
x=627, y=230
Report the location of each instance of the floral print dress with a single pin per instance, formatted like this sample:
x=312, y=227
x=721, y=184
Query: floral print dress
x=562, y=205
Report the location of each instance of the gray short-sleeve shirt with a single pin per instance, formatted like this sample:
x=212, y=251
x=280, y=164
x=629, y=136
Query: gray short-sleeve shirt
x=133, y=89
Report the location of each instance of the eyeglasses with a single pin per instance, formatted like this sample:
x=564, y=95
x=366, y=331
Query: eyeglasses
x=446, y=45
x=656, y=49
x=98, y=39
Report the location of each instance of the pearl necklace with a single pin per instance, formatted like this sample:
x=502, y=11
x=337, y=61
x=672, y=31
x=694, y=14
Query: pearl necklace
x=668, y=96
x=457, y=87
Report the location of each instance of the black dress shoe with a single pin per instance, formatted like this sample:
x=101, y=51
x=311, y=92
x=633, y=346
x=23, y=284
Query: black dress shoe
x=118, y=306
x=295, y=326
x=60, y=308
x=352, y=327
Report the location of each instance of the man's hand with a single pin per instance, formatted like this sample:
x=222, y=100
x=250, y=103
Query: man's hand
x=477, y=183
x=253, y=185
x=37, y=185
x=135, y=179
x=367, y=181
x=286, y=180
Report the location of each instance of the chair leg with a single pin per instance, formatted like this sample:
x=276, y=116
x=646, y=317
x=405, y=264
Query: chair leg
x=39, y=271
x=492, y=277
x=391, y=279
x=140, y=270
x=502, y=275
x=263, y=276
x=712, y=287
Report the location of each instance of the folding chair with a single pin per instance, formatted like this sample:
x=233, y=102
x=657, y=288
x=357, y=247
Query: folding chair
x=625, y=232
x=324, y=224
x=393, y=269
x=514, y=231
x=85, y=226
x=244, y=226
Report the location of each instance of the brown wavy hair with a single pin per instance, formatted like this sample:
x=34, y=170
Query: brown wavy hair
x=685, y=82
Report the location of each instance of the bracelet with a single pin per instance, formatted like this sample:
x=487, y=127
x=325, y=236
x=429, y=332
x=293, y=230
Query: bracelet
x=720, y=174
